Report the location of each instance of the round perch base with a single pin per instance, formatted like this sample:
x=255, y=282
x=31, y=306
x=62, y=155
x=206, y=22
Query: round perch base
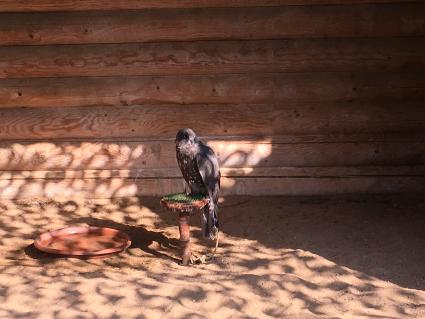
x=184, y=206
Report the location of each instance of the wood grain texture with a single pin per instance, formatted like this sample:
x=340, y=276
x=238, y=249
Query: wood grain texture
x=211, y=57
x=83, y=5
x=160, y=121
x=219, y=89
x=247, y=172
x=160, y=155
x=325, y=186
x=211, y=120
x=297, y=97
x=383, y=20
x=122, y=187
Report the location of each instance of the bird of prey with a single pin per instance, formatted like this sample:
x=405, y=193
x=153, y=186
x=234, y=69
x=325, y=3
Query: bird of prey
x=199, y=166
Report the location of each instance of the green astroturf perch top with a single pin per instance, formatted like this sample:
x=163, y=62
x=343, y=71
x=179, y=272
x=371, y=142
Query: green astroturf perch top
x=183, y=198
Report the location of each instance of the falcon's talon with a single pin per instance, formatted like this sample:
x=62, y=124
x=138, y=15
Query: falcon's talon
x=192, y=259
x=202, y=259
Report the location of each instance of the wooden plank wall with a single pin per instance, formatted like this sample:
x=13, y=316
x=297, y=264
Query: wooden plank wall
x=297, y=97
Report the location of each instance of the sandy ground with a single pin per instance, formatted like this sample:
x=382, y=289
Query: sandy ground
x=280, y=257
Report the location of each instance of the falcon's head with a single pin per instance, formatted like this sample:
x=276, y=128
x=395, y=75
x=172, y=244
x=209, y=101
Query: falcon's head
x=186, y=139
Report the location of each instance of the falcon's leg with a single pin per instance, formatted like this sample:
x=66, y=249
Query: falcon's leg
x=187, y=189
x=194, y=189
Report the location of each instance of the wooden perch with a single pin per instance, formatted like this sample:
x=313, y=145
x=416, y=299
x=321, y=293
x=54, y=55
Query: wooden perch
x=185, y=206
x=182, y=203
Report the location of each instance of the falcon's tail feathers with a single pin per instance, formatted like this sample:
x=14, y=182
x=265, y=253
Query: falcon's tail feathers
x=210, y=226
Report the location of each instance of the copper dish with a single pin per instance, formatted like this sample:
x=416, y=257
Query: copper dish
x=83, y=241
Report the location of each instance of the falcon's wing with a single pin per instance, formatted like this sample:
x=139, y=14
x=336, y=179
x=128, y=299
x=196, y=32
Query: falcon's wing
x=209, y=170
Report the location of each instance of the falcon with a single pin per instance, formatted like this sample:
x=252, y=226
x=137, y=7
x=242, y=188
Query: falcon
x=199, y=166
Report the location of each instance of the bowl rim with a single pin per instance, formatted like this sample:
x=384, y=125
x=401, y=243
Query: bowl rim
x=49, y=236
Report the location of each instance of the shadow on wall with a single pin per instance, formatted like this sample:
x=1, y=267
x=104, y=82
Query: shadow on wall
x=111, y=169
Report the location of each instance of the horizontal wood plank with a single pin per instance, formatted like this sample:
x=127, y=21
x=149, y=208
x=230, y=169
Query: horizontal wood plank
x=324, y=186
x=159, y=121
x=247, y=172
x=331, y=171
x=210, y=57
x=226, y=89
x=82, y=5
x=145, y=157
x=384, y=20
x=121, y=187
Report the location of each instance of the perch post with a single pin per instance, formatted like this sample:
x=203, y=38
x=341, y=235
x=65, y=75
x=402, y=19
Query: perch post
x=184, y=229
x=185, y=206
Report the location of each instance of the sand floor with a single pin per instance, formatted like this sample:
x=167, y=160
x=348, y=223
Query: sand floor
x=280, y=257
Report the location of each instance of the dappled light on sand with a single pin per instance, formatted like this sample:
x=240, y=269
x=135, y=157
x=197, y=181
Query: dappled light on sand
x=279, y=257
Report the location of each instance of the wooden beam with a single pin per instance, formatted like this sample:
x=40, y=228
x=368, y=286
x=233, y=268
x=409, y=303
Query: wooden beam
x=385, y=20
x=247, y=172
x=83, y=5
x=324, y=186
x=218, y=89
x=163, y=121
x=211, y=57
x=147, y=156
x=121, y=187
